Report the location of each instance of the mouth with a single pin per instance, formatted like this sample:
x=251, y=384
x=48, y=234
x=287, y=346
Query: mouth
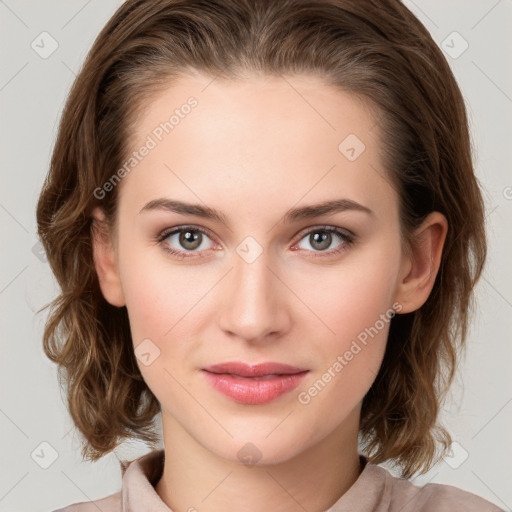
x=241, y=369
x=254, y=384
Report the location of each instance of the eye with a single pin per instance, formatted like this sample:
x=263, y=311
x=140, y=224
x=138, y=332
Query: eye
x=188, y=241
x=320, y=239
x=183, y=240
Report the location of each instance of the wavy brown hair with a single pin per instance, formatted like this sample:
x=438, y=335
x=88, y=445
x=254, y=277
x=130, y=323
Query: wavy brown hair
x=375, y=49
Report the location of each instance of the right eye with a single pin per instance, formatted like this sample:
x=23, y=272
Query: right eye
x=184, y=240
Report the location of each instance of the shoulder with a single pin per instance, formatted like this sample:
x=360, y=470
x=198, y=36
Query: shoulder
x=139, y=477
x=112, y=503
x=407, y=497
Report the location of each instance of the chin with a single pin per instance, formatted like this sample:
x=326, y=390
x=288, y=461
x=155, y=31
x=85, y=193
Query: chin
x=253, y=448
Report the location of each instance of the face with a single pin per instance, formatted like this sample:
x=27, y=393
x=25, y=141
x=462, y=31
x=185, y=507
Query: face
x=268, y=279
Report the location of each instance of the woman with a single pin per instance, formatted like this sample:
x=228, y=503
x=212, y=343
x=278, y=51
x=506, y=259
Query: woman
x=266, y=226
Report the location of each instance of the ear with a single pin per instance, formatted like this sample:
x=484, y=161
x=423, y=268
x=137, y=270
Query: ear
x=105, y=260
x=420, y=265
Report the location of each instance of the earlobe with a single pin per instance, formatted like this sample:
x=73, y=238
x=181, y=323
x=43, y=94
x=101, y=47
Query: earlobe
x=420, y=266
x=105, y=261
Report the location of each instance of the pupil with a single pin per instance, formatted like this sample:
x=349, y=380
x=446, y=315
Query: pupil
x=189, y=239
x=321, y=240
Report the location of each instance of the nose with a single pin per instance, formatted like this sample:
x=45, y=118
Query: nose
x=256, y=301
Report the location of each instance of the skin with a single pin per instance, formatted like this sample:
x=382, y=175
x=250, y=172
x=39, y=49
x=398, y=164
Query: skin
x=252, y=149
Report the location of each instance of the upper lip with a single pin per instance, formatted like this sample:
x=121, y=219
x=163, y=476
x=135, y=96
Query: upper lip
x=257, y=370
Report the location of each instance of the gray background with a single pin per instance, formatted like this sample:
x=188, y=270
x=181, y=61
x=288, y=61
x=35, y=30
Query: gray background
x=32, y=93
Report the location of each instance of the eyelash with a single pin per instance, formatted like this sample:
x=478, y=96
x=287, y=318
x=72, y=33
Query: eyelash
x=347, y=239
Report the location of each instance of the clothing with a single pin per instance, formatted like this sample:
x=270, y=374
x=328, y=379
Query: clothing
x=376, y=490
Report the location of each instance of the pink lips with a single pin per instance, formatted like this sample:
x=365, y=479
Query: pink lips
x=254, y=385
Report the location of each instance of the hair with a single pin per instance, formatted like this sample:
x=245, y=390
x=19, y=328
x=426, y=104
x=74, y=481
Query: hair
x=376, y=50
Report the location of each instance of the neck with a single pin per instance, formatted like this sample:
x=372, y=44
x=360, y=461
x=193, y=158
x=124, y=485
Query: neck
x=194, y=478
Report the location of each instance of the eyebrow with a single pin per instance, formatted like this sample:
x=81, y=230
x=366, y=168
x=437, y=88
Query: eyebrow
x=292, y=215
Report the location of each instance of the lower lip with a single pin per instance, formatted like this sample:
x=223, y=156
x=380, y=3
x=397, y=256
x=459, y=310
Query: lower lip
x=253, y=391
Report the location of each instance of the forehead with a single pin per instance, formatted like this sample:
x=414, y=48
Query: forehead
x=272, y=137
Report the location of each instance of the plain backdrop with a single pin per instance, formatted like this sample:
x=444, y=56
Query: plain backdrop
x=476, y=38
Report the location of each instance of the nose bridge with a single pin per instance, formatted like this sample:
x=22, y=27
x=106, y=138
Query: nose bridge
x=254, y=305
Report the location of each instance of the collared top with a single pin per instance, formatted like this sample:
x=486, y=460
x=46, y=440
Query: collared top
x=376, y=490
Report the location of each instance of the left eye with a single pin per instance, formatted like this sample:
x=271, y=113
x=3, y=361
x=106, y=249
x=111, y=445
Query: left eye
x=321, y=239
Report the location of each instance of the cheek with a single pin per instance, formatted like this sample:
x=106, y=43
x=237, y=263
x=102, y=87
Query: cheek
x=352, y=297
x=157, y=301
x=149, y=292
x=157, y=291
x=355, y=306
x=163, y=302
x=349, y=360
x=148, y=305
